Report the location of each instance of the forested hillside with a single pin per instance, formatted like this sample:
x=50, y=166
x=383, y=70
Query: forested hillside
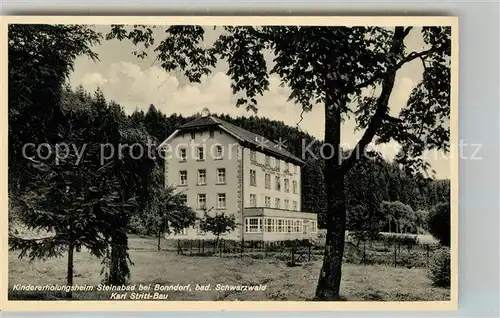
x=368, y=184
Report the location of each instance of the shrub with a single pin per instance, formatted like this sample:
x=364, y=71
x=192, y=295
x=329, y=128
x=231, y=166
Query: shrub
x=136, y=226
x=438, y=222
x=439, y=267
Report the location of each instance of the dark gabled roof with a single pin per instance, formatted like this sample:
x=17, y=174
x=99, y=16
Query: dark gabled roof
x=249, y=138
x=203, y=121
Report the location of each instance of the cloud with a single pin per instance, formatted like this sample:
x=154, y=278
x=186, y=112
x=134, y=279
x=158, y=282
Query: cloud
x=93, y=80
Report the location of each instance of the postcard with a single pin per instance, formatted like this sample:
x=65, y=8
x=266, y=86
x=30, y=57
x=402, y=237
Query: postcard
x=229, y=163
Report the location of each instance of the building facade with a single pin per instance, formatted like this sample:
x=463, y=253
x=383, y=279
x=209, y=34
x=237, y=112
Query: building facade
x=220, y=167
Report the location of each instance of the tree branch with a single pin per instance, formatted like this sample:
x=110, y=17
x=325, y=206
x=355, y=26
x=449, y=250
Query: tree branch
x=382, y=75
x=382, y=103
x=407, y=30
x=301, y=119
x=423, y=64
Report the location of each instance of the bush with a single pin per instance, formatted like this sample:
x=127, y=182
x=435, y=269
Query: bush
x=439, y=267
x=136, y=226
x=438, y=222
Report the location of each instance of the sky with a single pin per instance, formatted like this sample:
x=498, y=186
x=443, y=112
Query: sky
x=136, y=83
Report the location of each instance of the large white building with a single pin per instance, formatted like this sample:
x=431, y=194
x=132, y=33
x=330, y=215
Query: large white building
x=223, y=168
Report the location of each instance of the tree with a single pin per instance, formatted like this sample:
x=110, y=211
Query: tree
x=41, y=57
x=71, y=198
x=400, y=214
x=421, y=220
x=336, y=67
x=217, y=225
x=365, y=189
x=438, y=221
x=168, y=214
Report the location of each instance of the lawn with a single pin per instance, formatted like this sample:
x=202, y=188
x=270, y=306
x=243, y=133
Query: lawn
x=359, y=282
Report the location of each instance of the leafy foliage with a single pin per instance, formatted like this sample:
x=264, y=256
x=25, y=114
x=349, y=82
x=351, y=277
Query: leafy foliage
x=218, y=224
x=73, y=198
x=421, y=219
x=167, y=213
x=438, y=221
x=41, y=57
x=439, y=267
x=399, y=213
x=366, y=187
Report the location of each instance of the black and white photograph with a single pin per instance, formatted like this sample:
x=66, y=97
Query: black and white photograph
x=240, y=160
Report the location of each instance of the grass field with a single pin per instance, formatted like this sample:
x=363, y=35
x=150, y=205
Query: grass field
x=359, y=282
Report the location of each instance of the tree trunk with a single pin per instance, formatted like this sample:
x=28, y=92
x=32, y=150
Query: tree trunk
x=69, y=277
x=329, y=279
x=216, y=243
x=335, y=100
x=119, y=269
x=159, y=240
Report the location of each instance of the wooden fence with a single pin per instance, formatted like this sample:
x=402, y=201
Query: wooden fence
x=394, y=254
x=297, y=252
x=294, y=252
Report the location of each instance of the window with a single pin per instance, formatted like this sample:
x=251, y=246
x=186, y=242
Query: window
x=277, y=181
x=183, y=178
x=277, y=162
x=221, y=175
x=289, y=226
x=268, y=202
x=253, y=155
x=253, y=225
x=277, y=203
x=287, y=185
x=253, y=200
x=298, y=225
x=253, y=178
x=184, y=199
x=294, y=186
x=202, y=177
x=201, y=153
x=287, y=203
x=269, y=225
x=211, y=134
x=314, y=227
x=268, y=160
x=192, y=135
x=294, y=205
x=182, y=154
x=218, y=152
x=279, y=226
x=202, y=201
x=268, y=181
x=221, y=200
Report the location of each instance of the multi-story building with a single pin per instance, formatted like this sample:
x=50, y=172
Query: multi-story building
x=220, y=167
